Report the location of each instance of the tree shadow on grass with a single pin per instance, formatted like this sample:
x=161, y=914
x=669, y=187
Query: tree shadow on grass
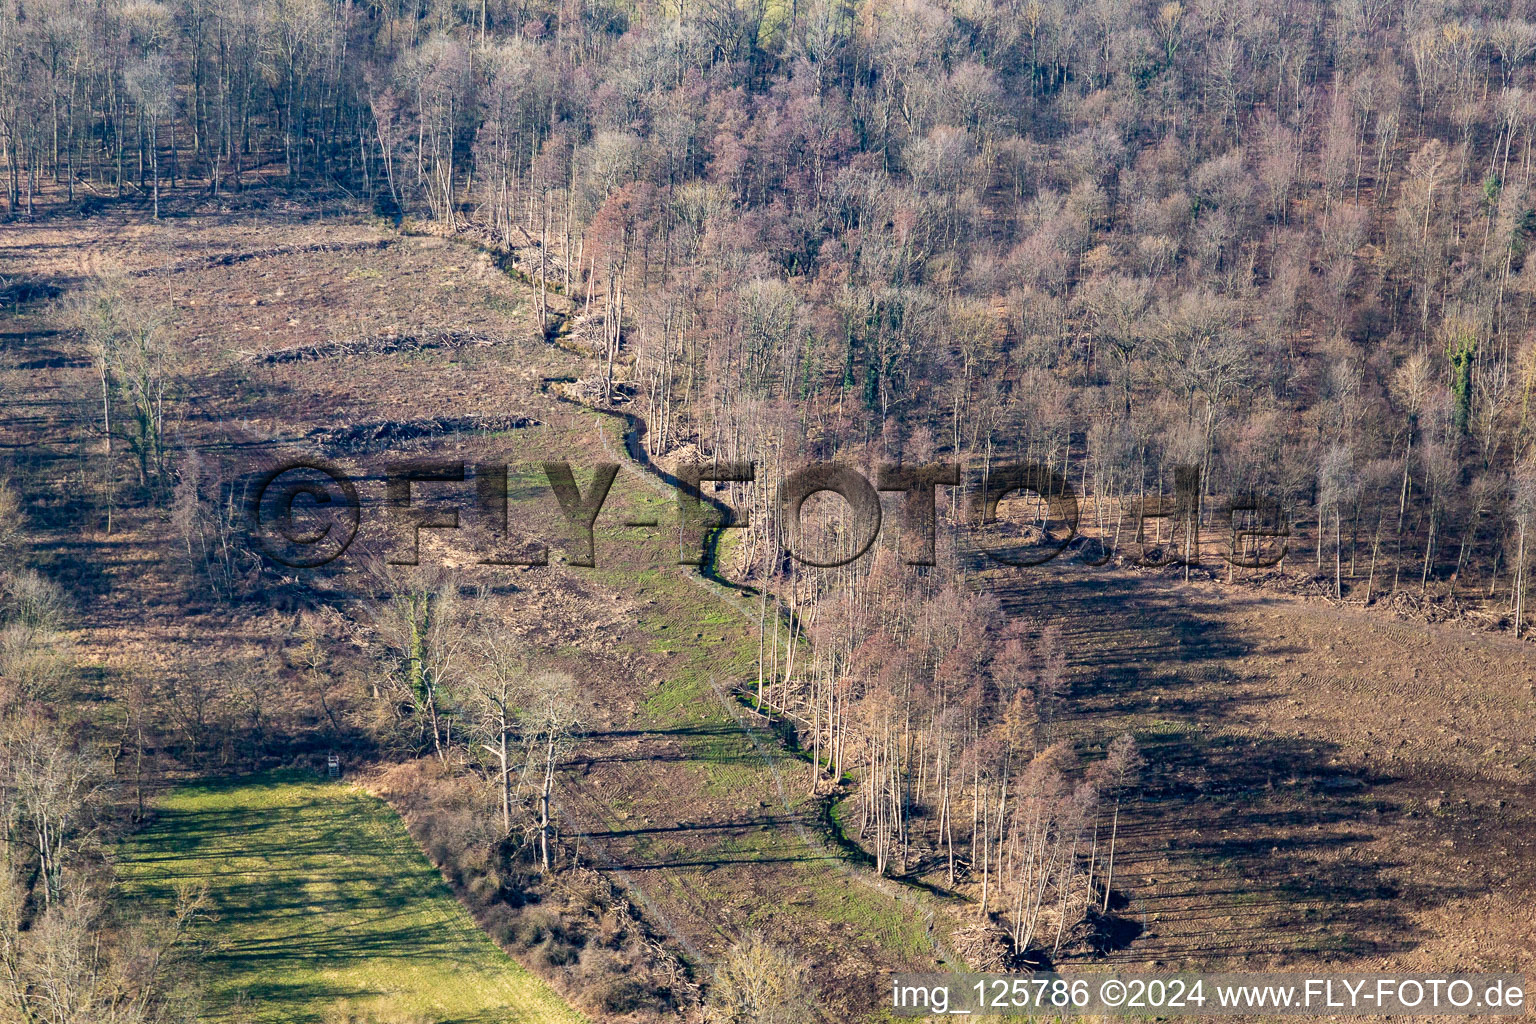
x=302, y=887
x=1262, y=830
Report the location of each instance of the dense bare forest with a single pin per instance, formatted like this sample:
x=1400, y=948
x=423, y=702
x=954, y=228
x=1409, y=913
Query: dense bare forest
x=1271, y=253
x=1285, y=245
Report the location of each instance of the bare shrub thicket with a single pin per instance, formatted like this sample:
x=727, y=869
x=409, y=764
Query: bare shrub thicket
x=209, y=516
x=67, y=953
x=572, y=923
x=34, y=647
x=760, y=982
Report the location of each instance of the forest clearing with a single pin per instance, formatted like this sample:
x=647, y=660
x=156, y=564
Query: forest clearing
x=1305, y=806
x=707, y=507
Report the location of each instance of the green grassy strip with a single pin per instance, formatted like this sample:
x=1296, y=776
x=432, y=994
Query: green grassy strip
x=326, y=910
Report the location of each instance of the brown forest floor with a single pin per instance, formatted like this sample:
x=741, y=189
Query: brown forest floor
x=1327, y=784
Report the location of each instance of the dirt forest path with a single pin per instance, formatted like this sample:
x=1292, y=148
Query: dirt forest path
x=1326, y=783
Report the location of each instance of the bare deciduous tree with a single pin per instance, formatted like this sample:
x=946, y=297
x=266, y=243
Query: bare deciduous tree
x=550, y=721
x=1118, y=776
x=423, y=640
x=136, y=366
x=497, y=685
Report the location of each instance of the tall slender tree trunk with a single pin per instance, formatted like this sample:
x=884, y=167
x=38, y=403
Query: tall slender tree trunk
x=1109, y=866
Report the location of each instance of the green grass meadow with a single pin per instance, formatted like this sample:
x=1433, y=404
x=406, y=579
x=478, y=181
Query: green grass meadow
x=326, y=910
